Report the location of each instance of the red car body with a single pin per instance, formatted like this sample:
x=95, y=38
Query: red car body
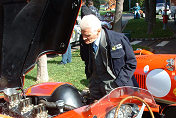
x=39, y=27
x=156, y=73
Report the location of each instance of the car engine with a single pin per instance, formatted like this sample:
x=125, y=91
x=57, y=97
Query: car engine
x=15, y=104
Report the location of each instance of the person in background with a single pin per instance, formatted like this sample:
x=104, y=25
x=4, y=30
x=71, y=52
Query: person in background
x=85, y=10
x=66, y=58
x=94, y=9
x=111, y=61
x=136, y=11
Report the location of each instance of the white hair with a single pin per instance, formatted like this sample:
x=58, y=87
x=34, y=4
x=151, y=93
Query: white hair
x=90, y=21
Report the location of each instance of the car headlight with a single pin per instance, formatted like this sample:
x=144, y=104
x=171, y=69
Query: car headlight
x=125, y=111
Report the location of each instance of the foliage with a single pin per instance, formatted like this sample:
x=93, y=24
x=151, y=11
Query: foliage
x=96, y=3
x=138, y=29
x=126, y=5
x=141, y=3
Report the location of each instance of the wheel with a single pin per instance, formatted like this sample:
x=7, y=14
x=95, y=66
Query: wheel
x=160, y=12
x=169, y=17
x=74, y=36
x=132, y=97
x=143, y=15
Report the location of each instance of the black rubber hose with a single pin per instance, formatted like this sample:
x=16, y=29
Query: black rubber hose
x=69, y=107
x=53, y=105
x=48, y=104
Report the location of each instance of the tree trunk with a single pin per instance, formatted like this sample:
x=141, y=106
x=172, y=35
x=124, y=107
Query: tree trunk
x=42, y=72
x=154, y=12
x=118, y=16
x=151, y=16
x=147, y=10
x=1, y=31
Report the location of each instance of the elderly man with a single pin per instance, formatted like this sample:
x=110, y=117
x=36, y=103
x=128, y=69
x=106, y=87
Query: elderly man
x=111, y=61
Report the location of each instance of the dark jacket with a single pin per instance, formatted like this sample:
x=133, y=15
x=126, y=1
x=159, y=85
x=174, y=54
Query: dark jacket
x=95, y=11
x=85, y=11
x=123, y=58
x=121, y=55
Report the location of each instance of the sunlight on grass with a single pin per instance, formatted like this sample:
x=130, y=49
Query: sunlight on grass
x=72, y=72
x=138, y=29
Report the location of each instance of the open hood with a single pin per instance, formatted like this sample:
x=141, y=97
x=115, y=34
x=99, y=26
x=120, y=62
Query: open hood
x=29, y=30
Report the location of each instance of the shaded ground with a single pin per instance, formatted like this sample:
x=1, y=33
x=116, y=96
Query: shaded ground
x=172, y=26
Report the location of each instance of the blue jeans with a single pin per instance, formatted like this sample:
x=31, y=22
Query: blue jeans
x=136, y=15
x=66, y=58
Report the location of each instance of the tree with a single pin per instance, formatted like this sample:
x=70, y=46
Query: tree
x=141, y=3
x=42, y=71
x=96, y=3
x=118, y=16
x=146, y=4
x=151, y=16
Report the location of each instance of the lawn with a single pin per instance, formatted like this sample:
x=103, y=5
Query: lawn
x=138, y=29
x=72, y=72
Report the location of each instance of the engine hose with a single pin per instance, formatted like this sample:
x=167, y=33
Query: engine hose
x=69, y=107
x=48, y=104
x=54, y=105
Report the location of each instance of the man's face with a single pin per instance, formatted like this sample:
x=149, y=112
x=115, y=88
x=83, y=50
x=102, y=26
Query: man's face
x=89, y=36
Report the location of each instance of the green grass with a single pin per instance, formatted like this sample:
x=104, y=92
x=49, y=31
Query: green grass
x=104, y=12
x=72, y=72
x=138, y=29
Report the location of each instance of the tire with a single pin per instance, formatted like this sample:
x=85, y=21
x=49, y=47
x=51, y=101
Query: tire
x=143, y=15
x=74, y=36
x=169, y=17
x=160, y=12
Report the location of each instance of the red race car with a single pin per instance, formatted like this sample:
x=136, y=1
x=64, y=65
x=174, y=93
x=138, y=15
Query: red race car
x=156, y=72
x=45, y=26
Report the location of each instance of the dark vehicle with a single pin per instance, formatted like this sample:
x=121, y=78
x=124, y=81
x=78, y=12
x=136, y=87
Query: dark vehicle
x=29, y=30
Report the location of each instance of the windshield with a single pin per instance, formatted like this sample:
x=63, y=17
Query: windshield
x=114, y=97
x=159, y=5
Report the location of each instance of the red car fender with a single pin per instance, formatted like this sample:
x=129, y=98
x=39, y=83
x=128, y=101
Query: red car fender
x=150, y=63
x=44, y=89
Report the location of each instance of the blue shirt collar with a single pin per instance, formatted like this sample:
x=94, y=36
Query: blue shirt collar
x=97, y=41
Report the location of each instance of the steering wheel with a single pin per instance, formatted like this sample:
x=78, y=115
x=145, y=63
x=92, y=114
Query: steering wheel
x=133, y=97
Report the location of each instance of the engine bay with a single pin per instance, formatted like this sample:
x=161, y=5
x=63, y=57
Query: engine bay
x=18, y=106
